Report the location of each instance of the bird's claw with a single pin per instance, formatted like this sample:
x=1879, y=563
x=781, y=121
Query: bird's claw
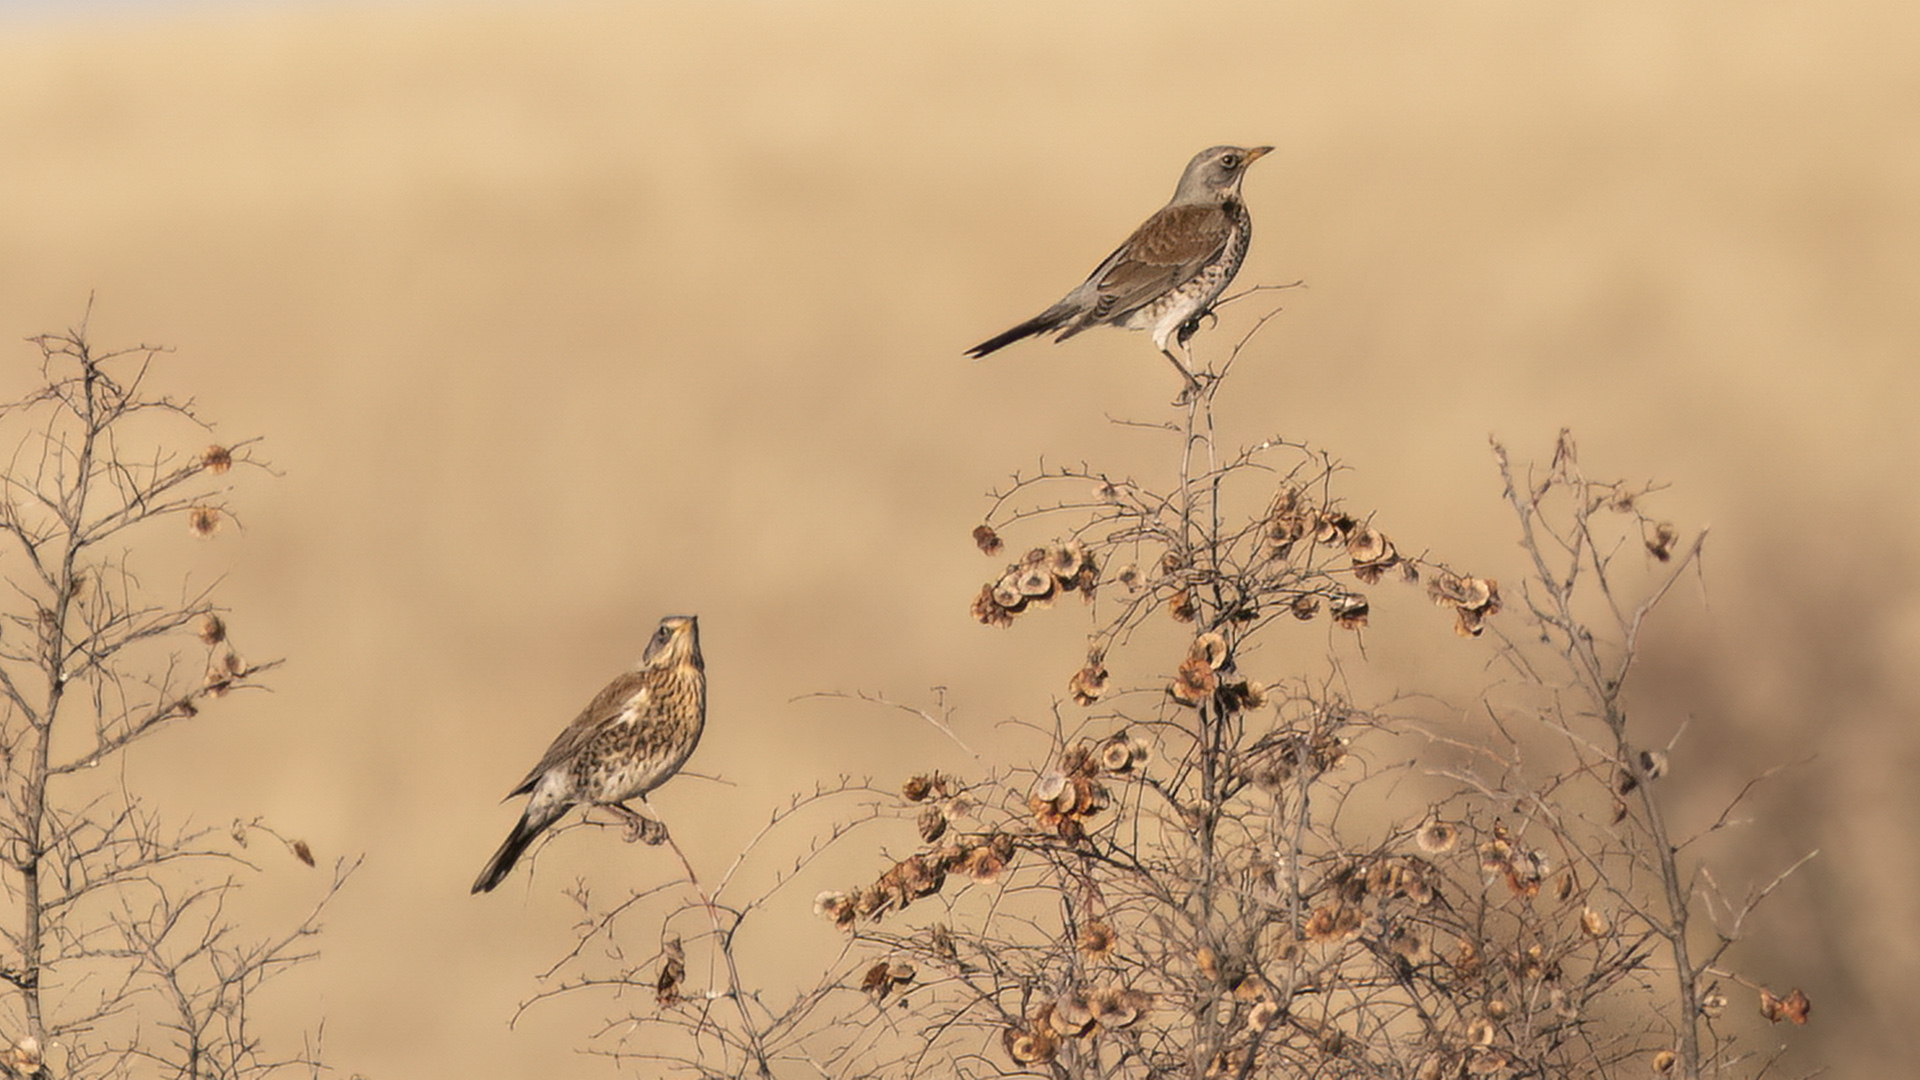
x=1197, y=383
x=649, y=831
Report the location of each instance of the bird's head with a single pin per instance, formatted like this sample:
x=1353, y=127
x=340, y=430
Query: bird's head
x=676, y=642
x=1214, y=173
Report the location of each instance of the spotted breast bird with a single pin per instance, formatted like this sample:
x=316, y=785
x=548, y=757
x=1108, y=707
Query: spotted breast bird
x=1167, y=275
x=630, y=739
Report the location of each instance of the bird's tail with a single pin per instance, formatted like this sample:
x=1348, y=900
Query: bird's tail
x=1048, y=320
x=510, y=851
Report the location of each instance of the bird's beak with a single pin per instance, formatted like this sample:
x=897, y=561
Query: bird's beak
x=1256, y=153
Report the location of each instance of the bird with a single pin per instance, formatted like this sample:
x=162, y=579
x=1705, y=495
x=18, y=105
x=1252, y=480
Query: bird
x=1167, y=275
x=630, y=739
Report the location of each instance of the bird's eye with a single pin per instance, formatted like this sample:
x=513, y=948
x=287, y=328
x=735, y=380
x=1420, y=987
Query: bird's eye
x=1231, y=161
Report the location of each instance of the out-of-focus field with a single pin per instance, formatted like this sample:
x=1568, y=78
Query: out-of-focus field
x=560, y=317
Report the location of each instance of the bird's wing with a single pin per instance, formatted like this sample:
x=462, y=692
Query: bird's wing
x=1165, y=252
x=629, y=691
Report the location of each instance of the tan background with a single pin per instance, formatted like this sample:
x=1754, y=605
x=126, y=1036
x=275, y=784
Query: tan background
x=560, y=317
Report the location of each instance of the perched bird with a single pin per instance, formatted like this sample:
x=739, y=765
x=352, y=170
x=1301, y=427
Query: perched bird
x=1170, y=271
x=633, y=736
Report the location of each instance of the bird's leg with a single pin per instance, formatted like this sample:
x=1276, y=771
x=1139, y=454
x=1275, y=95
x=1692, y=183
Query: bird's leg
x=1194, y=386
x=647, y=830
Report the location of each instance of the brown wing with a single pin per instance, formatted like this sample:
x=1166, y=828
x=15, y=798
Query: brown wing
x=606, y=707
x=1166, y=251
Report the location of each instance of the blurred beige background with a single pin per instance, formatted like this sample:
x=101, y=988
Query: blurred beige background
x=559, y=317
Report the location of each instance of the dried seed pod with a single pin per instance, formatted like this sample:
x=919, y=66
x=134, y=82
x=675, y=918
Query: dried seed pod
x=1437, y=837
x=1028, y=1047
x=1480, y=1031
x=1210, y=649
x=989, y=611
x=203, y=521
x=1035, y=584
x=834, y=906
x=1184, y=608
x=1063, y=561
x=1349, y=610
x=932, y=823
x=878, y=981
x=1097, y=940
x=1661, y=540
x=1071, y=1017
x=984, y=865
x=673, y=970
x=1194, y=682
x=1089, y=683
x=1794, y=1007
x=987, y=540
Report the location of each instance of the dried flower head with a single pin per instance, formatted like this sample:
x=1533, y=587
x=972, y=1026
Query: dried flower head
x=1486, y=1061
x=1209, y=648
x=1262, y=1014
x=1065, y=560
x=1116, y=1008
x=1029, y=1047
x=987, y=540
x=213, y=629
x=1184, y=608
x=1794, y=1007
x=1663, y=1062
x=989, y=610
x=1089, y=683
x=301, y=851
x=1129, y=577
x=1409, y=946
x=1194, y=682
x=203, y=521
x=1437, y=837
x=1653, y=763
x=1036, y=584
x=918, y=787
x=1304, y=606
x=1330, y=921
x=216, y=459
x=1371, y=553
x=1097, y=940
x=932, y=823
x=984, y=865
x=1660, y=541
x=1072, y=1017
x=1473, y=599
x=1289, y=519
x=1349, y=610
x=673, y=970
x=834, y=906
x=1480, y=1031
x=24, y=1058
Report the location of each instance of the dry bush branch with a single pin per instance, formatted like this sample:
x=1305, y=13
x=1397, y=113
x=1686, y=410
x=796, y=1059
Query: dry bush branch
x=123, y=958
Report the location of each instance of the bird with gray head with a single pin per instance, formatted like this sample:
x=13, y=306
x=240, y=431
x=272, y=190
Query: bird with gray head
x=1167, y=275
x=630, y=739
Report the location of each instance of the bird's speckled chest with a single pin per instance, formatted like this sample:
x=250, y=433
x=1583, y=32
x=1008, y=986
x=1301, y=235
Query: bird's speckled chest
x=1196, y=295
x=642, y=748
